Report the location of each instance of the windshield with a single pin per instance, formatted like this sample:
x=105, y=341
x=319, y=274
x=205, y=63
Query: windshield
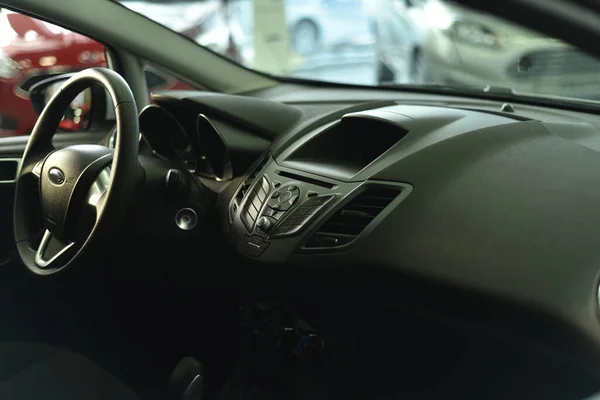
x=381, y=42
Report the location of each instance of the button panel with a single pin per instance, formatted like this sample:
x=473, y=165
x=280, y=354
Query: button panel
x=279, y=202
x=284, y=198
x=298, y=218
x=270, y=211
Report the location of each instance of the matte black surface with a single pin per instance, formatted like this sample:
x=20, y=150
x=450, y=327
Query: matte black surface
x=215, y=148
x=32, y=370
x=268, y=118
x=8, y=169
x=163, y=132
x=498, y=205
x=494, y=227
x=348, y=146
x=244, y=145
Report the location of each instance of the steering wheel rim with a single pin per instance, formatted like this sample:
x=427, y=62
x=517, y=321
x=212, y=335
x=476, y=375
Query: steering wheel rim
x=62, y=179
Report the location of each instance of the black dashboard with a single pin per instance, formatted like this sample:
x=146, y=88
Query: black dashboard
x=497, y=200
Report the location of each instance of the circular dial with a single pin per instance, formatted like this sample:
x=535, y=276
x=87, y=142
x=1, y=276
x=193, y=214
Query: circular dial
x=163, y=132
x=215, y=150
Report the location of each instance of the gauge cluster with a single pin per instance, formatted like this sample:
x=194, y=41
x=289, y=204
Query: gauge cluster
x=165, y=135
x=216, y=153
x=196, y=144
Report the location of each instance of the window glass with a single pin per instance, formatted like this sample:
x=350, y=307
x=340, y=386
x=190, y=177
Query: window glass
x=381, y=42
x=157, y=79
x=31, y=51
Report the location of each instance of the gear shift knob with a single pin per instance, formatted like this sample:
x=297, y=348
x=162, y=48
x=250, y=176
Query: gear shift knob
x=187, y=380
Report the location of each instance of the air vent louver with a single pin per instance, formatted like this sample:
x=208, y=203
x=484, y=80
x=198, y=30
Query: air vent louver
x=348, y=222
x=254, y=202
x=245, y=186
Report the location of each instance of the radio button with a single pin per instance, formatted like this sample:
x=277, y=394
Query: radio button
x=286, y=196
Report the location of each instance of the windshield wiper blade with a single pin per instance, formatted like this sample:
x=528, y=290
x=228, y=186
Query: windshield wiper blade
x=492, y=90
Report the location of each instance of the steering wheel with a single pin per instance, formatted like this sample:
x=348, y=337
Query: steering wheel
x=67, y=201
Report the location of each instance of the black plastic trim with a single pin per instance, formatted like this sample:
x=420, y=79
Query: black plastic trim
x=405, y=190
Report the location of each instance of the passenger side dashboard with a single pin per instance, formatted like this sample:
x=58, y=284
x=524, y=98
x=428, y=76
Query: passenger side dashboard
x=457, y=191
x=320, y=193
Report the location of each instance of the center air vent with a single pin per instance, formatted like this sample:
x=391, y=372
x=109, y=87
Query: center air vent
x=256, y=199
x=348, y=222
x=245, y=187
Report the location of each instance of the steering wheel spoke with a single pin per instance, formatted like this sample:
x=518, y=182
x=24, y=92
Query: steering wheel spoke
x=33, y=163
x=98, y=189
x=52, y=251
x=96, y=196
x=37, y=168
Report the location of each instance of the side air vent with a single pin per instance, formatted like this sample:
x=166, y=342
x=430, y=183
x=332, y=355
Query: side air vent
x=245, y=187
x=348, y=222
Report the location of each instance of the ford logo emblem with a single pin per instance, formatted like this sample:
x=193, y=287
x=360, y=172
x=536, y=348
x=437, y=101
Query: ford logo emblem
x=56, y=176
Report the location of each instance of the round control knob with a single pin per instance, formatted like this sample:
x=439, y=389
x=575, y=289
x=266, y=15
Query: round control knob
x=186, y=219
x=285, y=197
x=263, y=224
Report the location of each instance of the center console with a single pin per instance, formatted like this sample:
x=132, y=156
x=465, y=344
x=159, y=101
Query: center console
x=313, y=199
x=280, y=205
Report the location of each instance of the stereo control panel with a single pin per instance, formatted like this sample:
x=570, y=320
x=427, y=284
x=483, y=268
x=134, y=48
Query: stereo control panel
x=277, y=211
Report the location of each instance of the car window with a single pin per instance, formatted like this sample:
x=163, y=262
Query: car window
x=387, y=33
x=381, y=42
x=157, y=79
x=31, y=51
